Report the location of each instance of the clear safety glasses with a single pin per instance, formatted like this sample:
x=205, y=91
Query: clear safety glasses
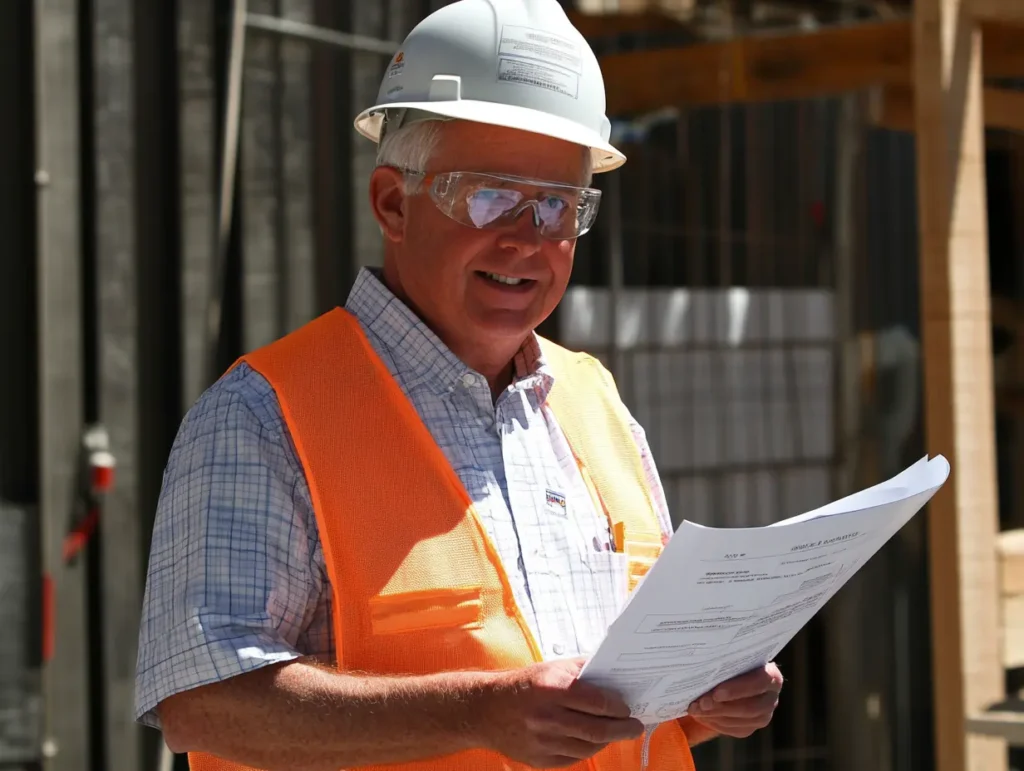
x=560, y=212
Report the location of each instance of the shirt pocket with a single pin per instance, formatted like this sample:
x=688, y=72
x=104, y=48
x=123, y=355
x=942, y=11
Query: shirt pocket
x=608, y=572
x=449, y=608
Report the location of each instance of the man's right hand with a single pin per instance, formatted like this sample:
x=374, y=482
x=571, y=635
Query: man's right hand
x=543, y=716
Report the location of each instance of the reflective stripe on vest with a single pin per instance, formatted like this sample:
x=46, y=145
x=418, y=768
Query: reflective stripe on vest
x=418, y=586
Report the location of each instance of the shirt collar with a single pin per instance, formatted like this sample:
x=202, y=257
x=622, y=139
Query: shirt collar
x=420, y=356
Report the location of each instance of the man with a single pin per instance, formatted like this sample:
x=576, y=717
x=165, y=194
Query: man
x=390, y=538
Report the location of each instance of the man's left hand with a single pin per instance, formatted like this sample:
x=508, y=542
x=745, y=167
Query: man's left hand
x=740, y=706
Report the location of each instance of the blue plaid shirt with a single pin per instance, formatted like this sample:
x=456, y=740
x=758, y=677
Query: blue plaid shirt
x=236, y=576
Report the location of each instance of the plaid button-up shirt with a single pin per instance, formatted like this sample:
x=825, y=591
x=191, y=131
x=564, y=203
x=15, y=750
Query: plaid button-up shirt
x=237, y=578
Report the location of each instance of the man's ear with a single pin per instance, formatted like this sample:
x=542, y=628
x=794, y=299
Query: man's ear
x=387, y=200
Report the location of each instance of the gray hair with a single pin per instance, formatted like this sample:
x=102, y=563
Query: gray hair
x=411, y=146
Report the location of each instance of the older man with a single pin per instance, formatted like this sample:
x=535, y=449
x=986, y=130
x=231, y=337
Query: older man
x=390, y=538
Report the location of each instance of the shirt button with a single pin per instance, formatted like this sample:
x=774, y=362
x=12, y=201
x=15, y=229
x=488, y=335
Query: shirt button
x=558, y=649
x=469, y=380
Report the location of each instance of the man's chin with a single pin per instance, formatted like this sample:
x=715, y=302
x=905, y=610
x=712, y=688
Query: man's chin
x=504, y=325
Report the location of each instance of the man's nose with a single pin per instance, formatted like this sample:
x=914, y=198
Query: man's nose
x=524, y=234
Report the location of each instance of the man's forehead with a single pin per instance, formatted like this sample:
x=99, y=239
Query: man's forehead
x=480, y=147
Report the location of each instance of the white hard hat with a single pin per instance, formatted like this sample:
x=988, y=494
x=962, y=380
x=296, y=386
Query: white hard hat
x=514, y=63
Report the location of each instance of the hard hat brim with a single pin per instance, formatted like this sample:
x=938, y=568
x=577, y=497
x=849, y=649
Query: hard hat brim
x=605, y=157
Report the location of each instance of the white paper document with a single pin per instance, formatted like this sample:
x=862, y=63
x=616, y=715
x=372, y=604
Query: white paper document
x=723, y=601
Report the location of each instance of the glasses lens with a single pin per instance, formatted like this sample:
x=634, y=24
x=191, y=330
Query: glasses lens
x=487, y=206
x=490, y=200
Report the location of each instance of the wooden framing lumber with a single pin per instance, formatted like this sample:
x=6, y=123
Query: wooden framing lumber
x=999, y=10
x=758, y=69
x=956, y=331
x=892, y=107
x=595, y=26
x=1005, y=725
x=783, y=67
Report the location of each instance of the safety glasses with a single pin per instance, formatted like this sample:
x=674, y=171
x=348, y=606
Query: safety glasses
x=560, y=212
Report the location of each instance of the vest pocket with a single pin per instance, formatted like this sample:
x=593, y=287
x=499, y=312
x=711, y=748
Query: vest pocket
x=448, y=608
x=642, y=557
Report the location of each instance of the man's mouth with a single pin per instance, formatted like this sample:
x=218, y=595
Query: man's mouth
x=506, y=280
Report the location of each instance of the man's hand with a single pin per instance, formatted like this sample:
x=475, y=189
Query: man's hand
x=543, y=716
x=740, y=706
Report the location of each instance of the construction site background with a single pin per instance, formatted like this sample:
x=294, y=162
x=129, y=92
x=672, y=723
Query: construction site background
x=180, y=182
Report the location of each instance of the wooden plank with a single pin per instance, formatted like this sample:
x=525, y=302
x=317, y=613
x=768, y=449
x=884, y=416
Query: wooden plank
x=758, y=69
x=1004, y=108
x=784, y=67
x=892, y=107
x=59, y=292
x=1003, y=50
x=1005, y=725
x=595, y=26
x=1010, y=548
x=998, y=10
x=956, y=331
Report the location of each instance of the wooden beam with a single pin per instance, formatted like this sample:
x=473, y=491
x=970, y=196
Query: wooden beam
x=758, y=69
x=1004, y=108
x=784, y=67
x=892, y=107
x=998, y=10
x=956, y=331
x=595, y=26
x=1005, y=725
x=1003, y=50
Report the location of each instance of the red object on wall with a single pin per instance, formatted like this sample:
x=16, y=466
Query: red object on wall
x=47, y=618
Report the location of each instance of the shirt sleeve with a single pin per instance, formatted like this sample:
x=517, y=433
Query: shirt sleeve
x=235, y=575
x=654, y=483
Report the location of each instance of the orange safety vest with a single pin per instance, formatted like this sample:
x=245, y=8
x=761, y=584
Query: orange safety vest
x=418, y=594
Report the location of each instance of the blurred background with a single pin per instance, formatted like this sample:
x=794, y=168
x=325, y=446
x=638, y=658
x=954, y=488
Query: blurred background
x=812, y=186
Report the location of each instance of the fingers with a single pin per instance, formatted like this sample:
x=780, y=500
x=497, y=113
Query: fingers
x=753, y=683
x=589, y=699
x=751, y=708
x=734, y=727
x=597, y=730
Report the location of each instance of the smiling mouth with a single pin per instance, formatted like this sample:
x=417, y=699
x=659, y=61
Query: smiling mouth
x=509, y=281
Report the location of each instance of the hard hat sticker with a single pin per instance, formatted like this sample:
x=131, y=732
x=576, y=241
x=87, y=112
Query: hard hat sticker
x=533, y=74
x=534, y=57
x=397, y=65
x=540, y=46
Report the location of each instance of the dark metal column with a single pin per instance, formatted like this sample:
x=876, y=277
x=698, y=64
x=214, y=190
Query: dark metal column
x=113, y=250
x=197, y=128
x=20, y=691
x=59, y=293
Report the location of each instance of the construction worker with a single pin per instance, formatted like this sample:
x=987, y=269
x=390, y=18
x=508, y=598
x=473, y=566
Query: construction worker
x=390, y=538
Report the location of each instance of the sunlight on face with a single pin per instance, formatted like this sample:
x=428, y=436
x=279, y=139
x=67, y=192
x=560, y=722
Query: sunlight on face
x=486, y=287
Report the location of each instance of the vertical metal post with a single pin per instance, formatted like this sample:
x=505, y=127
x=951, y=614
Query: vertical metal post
x=260, y=202
x=20, y=694
x=113, y=74
x=615, y=271
x=368, y=20
x=226, y=192
x=59, y=292
x=849, y=731
x=197, y=129
x=294, y=120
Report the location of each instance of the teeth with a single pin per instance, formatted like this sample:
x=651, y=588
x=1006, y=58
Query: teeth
x=504, y=279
